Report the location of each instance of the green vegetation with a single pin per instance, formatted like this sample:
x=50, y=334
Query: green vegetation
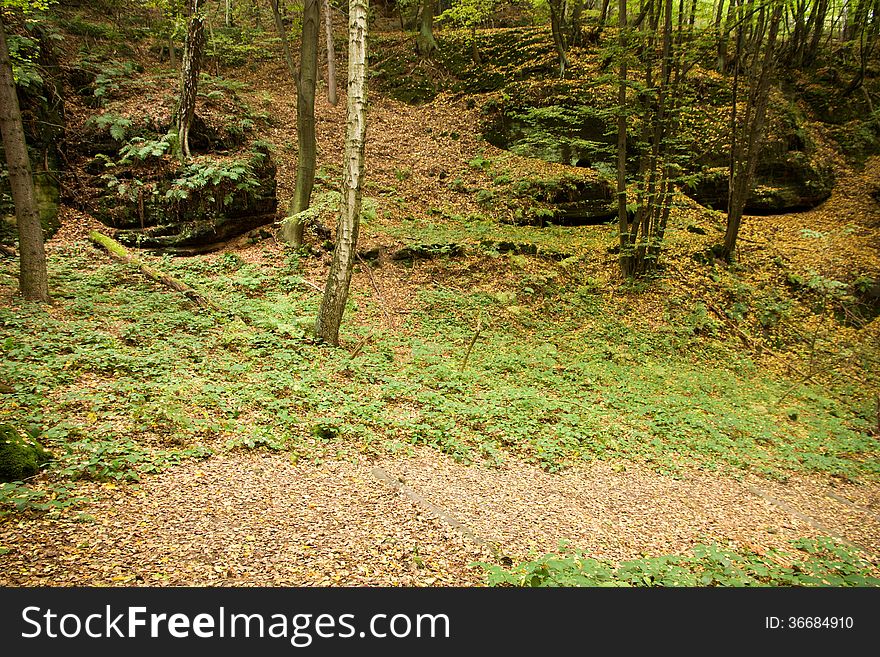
x=820, y=562
x=557, y=377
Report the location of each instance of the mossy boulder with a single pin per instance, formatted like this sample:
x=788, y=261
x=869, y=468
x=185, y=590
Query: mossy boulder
x=20, y=455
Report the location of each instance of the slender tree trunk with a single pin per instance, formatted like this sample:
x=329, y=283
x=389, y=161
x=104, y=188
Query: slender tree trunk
x=339, y=279
x=475, y=48
x=622, y=214
x=818, y=29
x=756, y=112
x=305, y=120
x=558, y=29
x=172, y=55
x=425, y=42
x=189, y=75
x=604, y=14
x=285, y=46
x=724, y=38
x=33, y=280
x=575, y=37
x=331, y=53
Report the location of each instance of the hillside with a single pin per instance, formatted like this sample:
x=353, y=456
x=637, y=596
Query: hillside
x=499, y=387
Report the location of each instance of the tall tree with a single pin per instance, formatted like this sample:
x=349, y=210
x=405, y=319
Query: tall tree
x=622, y=43
x=747, y=134
x=339, y=278
x=282, y=34
x=33, y=279
x=557, y=28
x=306, y=159
x=189, y=74
x=658, y=103
x=331, y=52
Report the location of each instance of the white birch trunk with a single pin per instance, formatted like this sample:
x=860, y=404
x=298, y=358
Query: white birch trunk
x=339, y=278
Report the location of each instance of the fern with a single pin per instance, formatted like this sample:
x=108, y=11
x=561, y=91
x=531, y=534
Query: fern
x=142, y=149
x=117, y=125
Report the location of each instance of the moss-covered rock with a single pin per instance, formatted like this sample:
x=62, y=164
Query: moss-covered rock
x=788, y=184
x=20, y=455
x=572, y=123
x=206, y=201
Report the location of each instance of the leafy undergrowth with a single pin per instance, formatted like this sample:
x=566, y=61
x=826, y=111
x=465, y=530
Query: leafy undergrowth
x=815, y=562
x=120, y=378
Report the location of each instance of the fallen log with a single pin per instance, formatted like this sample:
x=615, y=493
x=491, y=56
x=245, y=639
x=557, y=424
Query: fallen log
x=119, y=252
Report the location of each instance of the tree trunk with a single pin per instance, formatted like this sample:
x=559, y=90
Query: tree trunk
x=724, y=37
x=339, y=278
x=743, y=170
x=475, y=48
x=285, y=46
x=622, y=214
x=425, y=42
x=305, y=120
x=812, y=50
x=574, y=28
x=189, y=75
x=558, y=29
x=172, y=55
x=33, y=280
x=604, y=13
x=331, y=53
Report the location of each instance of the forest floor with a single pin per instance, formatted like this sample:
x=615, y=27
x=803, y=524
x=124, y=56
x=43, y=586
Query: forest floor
x=398, y=464
x=255, y=519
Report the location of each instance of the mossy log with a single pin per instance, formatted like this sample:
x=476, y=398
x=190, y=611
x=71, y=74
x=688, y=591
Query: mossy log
x=119, y=252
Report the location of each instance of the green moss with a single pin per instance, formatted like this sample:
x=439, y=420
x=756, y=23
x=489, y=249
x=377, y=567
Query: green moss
x=20, y=456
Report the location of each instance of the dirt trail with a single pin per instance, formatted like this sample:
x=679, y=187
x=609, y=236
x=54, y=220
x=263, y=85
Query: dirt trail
x=255, y=519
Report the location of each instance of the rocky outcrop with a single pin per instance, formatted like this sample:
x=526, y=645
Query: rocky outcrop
x=42, y=109
x=207, y=201
x=787, y=184
x=564, y=201
x=787, y=177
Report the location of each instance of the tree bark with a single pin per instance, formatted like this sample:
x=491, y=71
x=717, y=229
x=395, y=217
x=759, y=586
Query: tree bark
x=339, y=278
x=603, y=16
x=33, y=279
x=622, y=215
x=305, y=121
x=425, y=42
x=332, y=97
x=743, y=167
x=558, y=29
x=818, y=29
x=285, y=46
x=189, y=75
x=724, y=37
